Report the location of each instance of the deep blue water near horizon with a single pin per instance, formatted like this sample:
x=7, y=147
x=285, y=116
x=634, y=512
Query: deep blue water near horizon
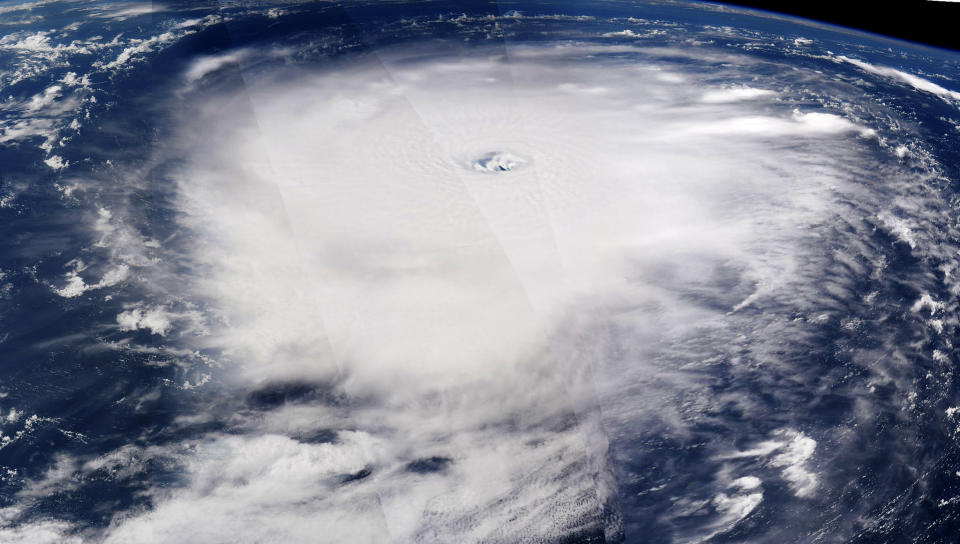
x=57, y=354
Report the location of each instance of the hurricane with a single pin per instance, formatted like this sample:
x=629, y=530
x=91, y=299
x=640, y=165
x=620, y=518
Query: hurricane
x=433, y=272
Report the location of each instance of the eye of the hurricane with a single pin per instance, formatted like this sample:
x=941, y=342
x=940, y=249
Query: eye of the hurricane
x=497, y=161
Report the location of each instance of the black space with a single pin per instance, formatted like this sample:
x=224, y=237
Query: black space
x=920, y=21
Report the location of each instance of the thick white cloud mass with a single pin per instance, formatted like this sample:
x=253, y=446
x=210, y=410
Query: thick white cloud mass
x=446, y=239
x=734, y=94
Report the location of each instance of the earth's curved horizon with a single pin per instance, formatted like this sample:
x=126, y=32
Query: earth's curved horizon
x=432, y=272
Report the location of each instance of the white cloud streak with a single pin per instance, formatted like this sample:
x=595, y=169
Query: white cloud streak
x=916, y=82
x=735, y=94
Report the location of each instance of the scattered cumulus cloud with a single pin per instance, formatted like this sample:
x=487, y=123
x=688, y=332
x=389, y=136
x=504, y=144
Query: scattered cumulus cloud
x=793, y=451
x=76, y=285
x=56, y=162
x=157, y=320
